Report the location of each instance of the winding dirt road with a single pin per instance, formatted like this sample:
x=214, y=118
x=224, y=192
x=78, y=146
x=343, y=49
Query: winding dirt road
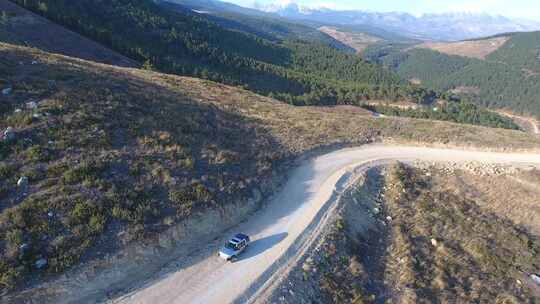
x=531, y=125
x=283, y=229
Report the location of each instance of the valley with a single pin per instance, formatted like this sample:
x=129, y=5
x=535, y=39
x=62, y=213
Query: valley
x=503, y=78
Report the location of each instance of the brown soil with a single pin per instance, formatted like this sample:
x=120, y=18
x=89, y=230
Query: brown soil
x=479, y=49
x=357, y=41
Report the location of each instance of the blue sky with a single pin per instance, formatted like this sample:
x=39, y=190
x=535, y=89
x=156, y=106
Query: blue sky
x=512, y=8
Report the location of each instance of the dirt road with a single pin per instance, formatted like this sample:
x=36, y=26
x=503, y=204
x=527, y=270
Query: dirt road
x=282, y=230
x=530, y=125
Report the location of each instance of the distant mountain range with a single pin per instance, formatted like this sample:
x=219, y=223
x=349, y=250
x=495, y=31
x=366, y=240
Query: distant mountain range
x=448, y=26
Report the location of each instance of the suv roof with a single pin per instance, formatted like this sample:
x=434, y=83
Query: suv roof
x=239, y=237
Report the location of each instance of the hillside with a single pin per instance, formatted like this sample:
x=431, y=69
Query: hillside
x=426, y=234
x=479, y=49
x=264, y=25
x=508, y=77
x=357, y=40
x=21, y=27
x=114, y=156
x=294, y=71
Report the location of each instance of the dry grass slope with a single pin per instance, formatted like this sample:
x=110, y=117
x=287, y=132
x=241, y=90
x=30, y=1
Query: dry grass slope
x=447, y=248
x=479, y=49
x=358, y=41
x=407, y=235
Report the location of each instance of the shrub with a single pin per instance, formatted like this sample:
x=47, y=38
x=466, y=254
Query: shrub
x=87, y=171
x=6, y=171
x=8, y=276
x=56, y=170
x=83, y=211
x=15, y=236
x=20, y=120
x=181, y=197
x=121, y=213
x=96, y=223
x=38, y=154
x=201, y=193
x=34, y=174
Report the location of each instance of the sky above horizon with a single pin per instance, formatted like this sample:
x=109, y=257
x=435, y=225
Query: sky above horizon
x=529, y=9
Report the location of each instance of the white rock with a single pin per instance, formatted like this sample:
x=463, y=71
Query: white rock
x=24, y=247
x=389, y=218
x=41, y=263
x=31, y=105
x=34, y=62
x=9, y=134
x=7, y=91
x=434, y=242
x=22, y=182
x=535, y=278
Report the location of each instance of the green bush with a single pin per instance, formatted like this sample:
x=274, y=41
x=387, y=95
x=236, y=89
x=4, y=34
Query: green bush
x=15, y=236
x=6, y=171
x=96, y=223
x=34, y=174
x=181, y=197
x=87, y=171
x=8, y=276
x=83, y=211
x=201, y=193
x=20, y=120
x=38, y=154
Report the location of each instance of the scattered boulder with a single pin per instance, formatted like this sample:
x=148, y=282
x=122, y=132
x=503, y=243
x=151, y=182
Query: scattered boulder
x=389, y=218
x=9, y=134
x=24, y=248
x=31, y=105
x=434, y=242
x=41, y=263
x=23, y=182
x=7, y=91
x=34, y=62
x=17, y=111
x=535, y=278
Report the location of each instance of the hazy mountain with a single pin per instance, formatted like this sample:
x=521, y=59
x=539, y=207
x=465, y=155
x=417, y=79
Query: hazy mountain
x=448, y=26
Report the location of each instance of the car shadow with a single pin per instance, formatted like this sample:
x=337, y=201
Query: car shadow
x=261, y=245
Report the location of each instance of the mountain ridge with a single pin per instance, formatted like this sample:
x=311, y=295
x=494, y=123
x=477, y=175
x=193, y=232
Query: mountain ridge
x=449, y=26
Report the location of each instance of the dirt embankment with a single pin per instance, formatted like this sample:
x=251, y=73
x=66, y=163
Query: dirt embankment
x=442, y=232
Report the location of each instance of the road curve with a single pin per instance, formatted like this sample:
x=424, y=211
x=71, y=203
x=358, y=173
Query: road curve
x=521, y=120
x=279, y=230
